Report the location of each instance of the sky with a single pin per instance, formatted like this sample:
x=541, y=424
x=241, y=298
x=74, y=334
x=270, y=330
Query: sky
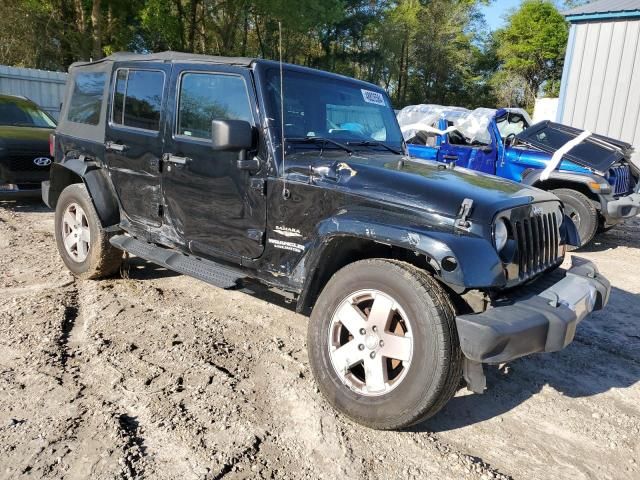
x=495, y=12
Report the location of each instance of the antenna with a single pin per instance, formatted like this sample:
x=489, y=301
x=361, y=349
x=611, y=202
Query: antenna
x=285, y=192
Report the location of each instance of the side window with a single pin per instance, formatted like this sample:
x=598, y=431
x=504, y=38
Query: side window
x=204, y=97
x=137, y=98
x=86, y=100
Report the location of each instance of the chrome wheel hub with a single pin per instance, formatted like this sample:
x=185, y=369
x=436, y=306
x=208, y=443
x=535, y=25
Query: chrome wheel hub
x=76, y=234
x=370, y=342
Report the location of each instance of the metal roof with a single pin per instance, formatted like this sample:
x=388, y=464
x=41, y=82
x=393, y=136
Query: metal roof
x=604, y=10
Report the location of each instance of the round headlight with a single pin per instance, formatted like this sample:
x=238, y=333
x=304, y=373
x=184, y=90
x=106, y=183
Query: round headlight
x=500, y=234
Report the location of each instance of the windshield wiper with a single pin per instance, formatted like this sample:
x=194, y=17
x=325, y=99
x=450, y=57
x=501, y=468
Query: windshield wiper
x=369, y=143
x=322, y=140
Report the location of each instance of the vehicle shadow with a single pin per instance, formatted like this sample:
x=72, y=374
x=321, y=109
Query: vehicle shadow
x=605, y=355
x=627, y=234
x=136, y=268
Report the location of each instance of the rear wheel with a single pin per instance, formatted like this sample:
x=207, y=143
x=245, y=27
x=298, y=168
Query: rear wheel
x=582, y=212
x=382, y=344
x=82, y=242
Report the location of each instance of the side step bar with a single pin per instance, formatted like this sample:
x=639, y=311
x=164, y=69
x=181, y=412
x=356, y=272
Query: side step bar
x=205, y=270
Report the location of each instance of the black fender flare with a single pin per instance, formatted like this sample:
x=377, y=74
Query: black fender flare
x=97, y=183
x=479, y=265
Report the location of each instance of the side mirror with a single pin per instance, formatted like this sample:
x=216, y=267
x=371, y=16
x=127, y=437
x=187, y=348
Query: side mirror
x=233, y=135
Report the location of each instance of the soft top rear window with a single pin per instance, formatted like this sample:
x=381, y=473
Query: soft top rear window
x=86, y=100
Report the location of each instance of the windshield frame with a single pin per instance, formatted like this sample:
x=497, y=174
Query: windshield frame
x=25, y=105
x=264, y=69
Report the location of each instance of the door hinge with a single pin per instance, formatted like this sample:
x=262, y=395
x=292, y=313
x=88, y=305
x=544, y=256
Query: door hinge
x=259, y=185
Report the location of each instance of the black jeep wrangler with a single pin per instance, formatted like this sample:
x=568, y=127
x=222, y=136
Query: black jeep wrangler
x=229, y=169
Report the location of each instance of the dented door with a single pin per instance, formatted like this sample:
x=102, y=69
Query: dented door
x=216, y=207
x=134, y=139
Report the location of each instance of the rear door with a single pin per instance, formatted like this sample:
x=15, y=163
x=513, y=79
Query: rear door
x=218, y=209
x=134, y=142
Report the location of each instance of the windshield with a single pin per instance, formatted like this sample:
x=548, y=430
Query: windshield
x=16, y=112
x=319, y=106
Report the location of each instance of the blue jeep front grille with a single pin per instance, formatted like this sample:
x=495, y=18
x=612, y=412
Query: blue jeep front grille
x=620, y=179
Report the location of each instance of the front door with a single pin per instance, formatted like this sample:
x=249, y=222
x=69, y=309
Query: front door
x=475, y=157
x=218, y=209
x=134, y=140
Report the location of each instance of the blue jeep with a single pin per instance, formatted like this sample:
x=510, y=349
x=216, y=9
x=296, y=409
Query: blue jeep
x=594, y=176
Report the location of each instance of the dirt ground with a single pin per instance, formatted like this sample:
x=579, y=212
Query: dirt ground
x=160, y=376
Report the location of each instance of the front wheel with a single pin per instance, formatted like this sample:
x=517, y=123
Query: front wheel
x=582, y=212
x=383, y=345
x=82, y=242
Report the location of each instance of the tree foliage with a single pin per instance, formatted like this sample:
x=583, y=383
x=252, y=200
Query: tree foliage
x=532, y=47
x=421, y=51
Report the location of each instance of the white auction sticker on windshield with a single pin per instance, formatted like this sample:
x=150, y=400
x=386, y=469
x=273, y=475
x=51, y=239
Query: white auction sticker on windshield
x=372, y=97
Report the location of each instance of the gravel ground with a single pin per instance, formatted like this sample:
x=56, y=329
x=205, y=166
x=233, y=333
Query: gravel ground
x=159, y=376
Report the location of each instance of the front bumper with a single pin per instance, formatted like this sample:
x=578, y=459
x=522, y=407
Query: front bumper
x=9, y=191
x=545, y=322
x=623, y=207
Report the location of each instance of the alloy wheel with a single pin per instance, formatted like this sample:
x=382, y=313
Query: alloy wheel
x=370, y=342
x=76, y=234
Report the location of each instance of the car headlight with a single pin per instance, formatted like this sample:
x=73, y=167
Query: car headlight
x=500, y=234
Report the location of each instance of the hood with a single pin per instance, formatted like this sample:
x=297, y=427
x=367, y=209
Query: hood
x=597, y=152
x=24, y=140
x=419, y=184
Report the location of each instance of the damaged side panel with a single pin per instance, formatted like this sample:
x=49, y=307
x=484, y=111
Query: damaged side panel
x=294, y=253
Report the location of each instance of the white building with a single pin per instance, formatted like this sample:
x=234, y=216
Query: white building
x=600, y=88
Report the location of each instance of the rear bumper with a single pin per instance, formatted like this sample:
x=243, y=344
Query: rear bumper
x=545, y=322
x=45, y=193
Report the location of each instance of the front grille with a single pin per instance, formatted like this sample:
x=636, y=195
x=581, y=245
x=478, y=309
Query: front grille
x=24, y=163
x=620, y=179
x=534, y=236
x=537, y=240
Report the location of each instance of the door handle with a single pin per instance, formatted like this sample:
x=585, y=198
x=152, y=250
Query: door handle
x=450, y=157
x=115, y=147
x=168, y=157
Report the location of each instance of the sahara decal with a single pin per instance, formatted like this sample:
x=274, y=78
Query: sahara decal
x=287, y=231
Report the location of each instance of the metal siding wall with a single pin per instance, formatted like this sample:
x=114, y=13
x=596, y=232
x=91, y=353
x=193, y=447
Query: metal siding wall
x=44, y=88
x=602, y=83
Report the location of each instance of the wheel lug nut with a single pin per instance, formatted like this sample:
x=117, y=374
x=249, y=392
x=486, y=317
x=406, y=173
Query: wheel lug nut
x=362, y=331
x=375, y=329
x=381, y=343
x=372, y=354
x=360, y=347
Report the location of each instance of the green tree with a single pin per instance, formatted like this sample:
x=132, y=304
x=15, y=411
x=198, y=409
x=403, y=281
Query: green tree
x=531, y=47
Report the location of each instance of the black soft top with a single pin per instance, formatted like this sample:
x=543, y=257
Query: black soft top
x=169, y=56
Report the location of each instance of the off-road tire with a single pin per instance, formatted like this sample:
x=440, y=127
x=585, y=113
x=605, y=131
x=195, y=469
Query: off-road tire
x=435, y=370
x=103, y=259
x=587, y=220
